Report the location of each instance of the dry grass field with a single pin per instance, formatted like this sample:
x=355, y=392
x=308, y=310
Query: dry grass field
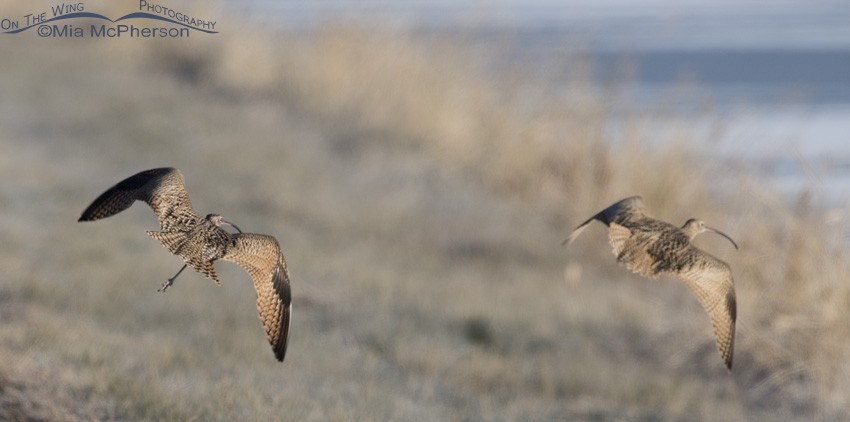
x=420, y=198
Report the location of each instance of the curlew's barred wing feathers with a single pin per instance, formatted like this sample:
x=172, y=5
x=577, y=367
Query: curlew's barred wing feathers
x=260, y=255
x=164, y=189
x=713, y=285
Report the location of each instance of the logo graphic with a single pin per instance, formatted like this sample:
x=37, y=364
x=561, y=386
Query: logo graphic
x=61, y=21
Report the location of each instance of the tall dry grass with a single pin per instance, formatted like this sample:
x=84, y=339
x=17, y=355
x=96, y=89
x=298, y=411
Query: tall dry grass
x=558, y=152
x=420, y=195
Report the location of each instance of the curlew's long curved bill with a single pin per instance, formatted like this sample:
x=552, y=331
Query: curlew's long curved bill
x=223, y=221
x=722, y=234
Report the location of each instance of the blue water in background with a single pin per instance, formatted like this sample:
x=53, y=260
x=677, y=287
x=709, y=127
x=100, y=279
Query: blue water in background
x=776, y=72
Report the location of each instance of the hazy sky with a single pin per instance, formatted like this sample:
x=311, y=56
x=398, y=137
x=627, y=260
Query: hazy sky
x=655, y=24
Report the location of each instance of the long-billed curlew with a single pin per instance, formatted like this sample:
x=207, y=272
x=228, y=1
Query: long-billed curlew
x=650, y=247
x=201, y=240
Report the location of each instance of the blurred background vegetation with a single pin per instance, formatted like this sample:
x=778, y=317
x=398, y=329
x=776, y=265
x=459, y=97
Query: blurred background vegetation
x=420, y=188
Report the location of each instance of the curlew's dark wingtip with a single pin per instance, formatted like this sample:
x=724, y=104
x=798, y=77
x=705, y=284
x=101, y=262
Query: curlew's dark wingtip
x=279, y=355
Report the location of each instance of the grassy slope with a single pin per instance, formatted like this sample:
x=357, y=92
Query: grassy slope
x=420, y=202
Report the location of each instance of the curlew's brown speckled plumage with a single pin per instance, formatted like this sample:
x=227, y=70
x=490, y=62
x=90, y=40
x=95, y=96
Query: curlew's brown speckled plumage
x=260, y=255
x=200, y=241
x=650, y=247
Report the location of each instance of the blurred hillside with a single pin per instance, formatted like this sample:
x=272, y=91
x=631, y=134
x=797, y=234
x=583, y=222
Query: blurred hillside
x=420, y=199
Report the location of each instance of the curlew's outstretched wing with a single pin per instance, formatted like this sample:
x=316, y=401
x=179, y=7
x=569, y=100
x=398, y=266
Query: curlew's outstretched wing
x=260, y=255
x=631, y=208
x=711, y=280
x=163, y=189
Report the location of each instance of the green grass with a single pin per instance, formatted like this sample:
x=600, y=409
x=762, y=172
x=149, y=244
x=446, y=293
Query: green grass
x=420, y=200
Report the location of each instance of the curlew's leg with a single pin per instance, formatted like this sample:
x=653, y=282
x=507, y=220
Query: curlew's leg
x=170, y=281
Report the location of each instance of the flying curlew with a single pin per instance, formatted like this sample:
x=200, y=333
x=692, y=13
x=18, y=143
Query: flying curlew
x=201, y=240
x=650, y=247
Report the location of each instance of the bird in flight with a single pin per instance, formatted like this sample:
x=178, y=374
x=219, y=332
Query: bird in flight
x=649, y=247
x=201, y=240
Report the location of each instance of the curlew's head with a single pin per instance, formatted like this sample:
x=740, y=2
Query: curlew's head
x=694, y=226
x=218, y=221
